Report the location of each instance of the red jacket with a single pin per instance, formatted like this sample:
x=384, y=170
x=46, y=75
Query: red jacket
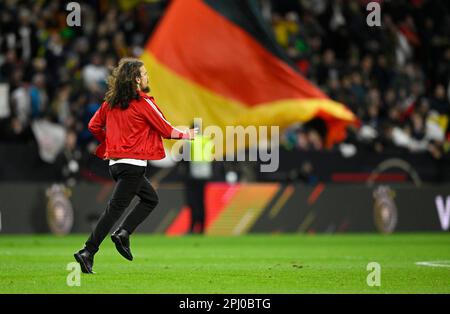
x=134, y=132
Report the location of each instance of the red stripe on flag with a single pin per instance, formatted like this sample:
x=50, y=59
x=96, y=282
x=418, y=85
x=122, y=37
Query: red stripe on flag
x=203, y=46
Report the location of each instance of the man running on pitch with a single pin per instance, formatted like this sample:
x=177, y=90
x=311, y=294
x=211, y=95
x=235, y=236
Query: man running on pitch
x=129, y=126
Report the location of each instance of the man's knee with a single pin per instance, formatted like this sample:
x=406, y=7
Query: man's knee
x=151, y=202
x=117, y=206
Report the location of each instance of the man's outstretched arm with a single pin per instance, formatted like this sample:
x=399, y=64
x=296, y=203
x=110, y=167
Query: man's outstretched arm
x=163, y=127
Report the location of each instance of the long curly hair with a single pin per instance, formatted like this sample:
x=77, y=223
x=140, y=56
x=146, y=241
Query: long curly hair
x=122, y=85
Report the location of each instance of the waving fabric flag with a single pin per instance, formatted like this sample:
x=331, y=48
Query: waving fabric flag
x=219, y=61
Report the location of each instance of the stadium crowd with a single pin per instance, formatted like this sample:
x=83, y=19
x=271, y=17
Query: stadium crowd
x=58, y=72
x=54, y=72
x=395, y=77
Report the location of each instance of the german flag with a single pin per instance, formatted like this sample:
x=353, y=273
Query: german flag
x=218, y=60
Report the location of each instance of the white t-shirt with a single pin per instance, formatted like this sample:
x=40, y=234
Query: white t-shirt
x=130, y=161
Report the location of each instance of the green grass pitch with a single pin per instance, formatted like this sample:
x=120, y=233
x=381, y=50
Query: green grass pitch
x=251, y=264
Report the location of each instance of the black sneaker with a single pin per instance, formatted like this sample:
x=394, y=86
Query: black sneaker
x=86, y=260
x=121, y=239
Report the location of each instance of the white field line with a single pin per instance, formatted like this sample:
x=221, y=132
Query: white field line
x=434, y=263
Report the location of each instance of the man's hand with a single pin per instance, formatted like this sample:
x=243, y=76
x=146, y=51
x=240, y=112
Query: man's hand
x=192, y=133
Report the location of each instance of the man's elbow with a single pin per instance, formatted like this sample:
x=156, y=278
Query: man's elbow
x=92, y=127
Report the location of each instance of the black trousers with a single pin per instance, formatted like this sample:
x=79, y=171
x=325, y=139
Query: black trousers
x=131, y=181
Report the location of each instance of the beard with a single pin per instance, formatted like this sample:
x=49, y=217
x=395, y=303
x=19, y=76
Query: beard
x=146, y=89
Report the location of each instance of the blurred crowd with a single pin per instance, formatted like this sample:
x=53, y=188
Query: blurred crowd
x=395, y=77
x=53, y=72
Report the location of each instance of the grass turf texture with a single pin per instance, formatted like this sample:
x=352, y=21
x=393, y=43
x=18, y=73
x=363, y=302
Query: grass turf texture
x=246, y=264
